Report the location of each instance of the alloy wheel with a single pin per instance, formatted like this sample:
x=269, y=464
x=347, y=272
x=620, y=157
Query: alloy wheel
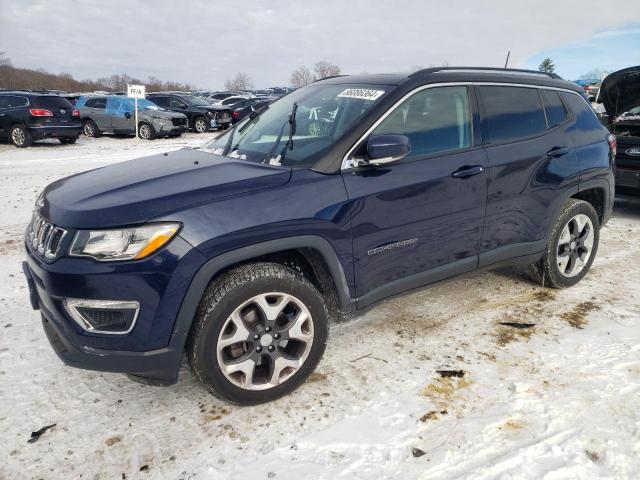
x=575, y=245
x=265, y=341
x=145, y=132
x=88, y=129
x=17, y=136
x=200, y=126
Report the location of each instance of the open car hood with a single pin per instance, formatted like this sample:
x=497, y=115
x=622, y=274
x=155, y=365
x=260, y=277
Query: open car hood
x=620, y=91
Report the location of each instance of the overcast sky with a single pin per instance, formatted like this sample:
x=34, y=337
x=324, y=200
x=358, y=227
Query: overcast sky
x=205, y=42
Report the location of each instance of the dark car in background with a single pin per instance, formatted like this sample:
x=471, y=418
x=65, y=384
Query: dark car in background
x=28, y=116
x=201, y=114
x=620, y=96
x=248, y=106
x=115, y=114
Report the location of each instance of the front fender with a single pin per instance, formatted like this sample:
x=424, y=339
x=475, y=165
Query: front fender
x=217, y=264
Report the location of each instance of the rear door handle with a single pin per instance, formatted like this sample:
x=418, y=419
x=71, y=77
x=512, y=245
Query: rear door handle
x=558, y=152
x=464, y=172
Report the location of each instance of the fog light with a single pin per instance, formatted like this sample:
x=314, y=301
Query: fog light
x=103, y=316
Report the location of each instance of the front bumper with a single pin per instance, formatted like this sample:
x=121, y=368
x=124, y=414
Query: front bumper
x=171, y=129
x=152, y=350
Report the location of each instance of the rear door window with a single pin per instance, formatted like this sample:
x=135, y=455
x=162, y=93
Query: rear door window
x=512, y=113
x=553, y=106
x=160, y=101
x=96, y=103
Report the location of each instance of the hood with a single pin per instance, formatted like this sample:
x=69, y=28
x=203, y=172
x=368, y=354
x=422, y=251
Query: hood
x=150, y=112
x=135, y=191
x=620, y=91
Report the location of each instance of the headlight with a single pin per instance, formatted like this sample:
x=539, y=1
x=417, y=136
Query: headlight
x=211, y=114
x=122, y=244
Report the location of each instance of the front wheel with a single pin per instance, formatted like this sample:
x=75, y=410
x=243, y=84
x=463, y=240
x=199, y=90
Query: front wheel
x=260, y=331
x=146, y=131
x=200, y=125
x=572, y=246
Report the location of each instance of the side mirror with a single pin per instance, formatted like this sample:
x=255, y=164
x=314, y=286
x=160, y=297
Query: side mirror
x=383, y=149
x=127, y=114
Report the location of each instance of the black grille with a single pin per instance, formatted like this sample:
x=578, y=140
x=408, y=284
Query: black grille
x=44, y=237
x=179, y=121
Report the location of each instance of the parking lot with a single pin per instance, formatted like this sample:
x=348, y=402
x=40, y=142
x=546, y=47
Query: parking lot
x=548, y=386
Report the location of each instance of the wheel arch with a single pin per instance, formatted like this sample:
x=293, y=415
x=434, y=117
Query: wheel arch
x=311, y=255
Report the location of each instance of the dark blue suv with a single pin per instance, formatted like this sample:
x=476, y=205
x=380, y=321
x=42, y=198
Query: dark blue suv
x=240, y=252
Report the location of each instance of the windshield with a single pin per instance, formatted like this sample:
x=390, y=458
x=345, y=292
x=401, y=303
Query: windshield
x=196, y=102
x=298, y=128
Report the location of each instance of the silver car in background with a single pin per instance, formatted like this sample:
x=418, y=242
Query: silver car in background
x=115, y=114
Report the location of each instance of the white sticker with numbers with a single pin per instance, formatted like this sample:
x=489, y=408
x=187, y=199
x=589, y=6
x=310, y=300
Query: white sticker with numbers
x=361, y=93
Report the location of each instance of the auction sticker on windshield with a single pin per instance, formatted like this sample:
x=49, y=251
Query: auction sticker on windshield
x=361, y=93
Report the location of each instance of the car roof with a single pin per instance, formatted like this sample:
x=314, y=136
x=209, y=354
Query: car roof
x=457, y=74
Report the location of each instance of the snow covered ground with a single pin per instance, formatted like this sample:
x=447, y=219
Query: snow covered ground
x=559, y=400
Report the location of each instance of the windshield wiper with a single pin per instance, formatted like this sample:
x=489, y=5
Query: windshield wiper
x=292, y=127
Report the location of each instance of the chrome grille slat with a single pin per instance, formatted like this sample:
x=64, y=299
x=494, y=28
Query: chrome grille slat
x=44, y=237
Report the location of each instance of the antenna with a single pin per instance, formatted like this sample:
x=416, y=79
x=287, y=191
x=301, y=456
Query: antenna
x=506, y=62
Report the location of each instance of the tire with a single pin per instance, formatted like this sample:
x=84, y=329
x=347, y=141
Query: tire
x=200, y=125
x=572, y=246
x=263, y=340
x=19, y=135
x=146, y=131
x=68, y=140
x=90, y=129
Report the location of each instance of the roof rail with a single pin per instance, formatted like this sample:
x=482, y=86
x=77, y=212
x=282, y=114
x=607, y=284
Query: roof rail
x=511, y=71
x=327, y=78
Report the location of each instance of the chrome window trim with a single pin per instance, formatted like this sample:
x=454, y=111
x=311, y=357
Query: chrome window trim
x=349, y=163
x=70, y=305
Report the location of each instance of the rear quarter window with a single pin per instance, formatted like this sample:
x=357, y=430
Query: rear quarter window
x=556, y=113
x=12, y=101
x=512, y=113
x=586, y=118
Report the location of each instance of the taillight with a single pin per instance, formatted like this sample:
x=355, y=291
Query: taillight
x=40, y=112
x=613, y=144
x=75, y=113
x=235, y=114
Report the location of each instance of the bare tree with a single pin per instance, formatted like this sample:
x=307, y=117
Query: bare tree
x=4, y=60
x=301, y=76
x=596, y=73
x=240, y=82
x=326, y=69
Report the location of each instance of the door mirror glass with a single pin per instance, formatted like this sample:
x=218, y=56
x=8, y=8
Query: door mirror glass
x=383, y=149
x=127, y=114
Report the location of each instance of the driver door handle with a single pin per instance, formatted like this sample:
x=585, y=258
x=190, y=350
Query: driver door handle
x=464, y=172
x=558, y=152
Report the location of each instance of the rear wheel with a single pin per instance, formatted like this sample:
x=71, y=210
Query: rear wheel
x=572, y=246
x=90, y=129
x=20, y=136
x=200, y=125
x=146, y=131
x=260, y=330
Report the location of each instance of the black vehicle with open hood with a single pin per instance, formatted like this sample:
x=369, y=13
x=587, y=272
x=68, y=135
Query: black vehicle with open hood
x=620, y=95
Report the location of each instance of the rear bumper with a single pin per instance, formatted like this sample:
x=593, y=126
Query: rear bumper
x=628, y=179
x=55, y=131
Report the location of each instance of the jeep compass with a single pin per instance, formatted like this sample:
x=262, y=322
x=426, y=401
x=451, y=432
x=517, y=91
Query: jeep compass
x=239, y=253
